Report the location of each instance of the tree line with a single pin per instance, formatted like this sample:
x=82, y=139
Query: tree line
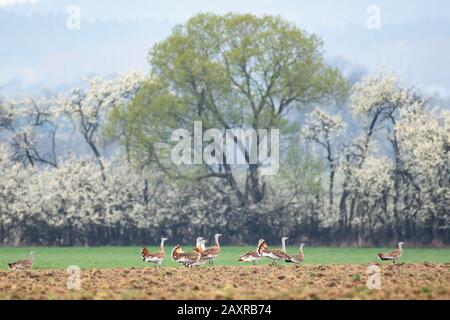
x=363, y=163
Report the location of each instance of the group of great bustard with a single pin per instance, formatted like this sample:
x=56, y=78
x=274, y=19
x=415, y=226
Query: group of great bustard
x=198, y=256
x=201, y=255
x=275, y=255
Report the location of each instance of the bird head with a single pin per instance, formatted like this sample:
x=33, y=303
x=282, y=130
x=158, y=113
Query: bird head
x=401, y=244
x=164, y=239
x=302, y=245
x=284, y=238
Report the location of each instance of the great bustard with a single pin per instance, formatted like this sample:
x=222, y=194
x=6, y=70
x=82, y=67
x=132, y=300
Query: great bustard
x=393, y=255
x=156, y=257
x=212, y=252
x=198, y=245
x=252, y=256
x=274, y=254
x=188, y=259
x=22, y=264
x=298, y=258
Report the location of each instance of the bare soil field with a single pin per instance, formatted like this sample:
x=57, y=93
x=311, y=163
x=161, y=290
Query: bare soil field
x=402, y=281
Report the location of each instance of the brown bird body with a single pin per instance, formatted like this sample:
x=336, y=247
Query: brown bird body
x=191, y=259
x=22, y=264
x=251, y=256
x=154, y=257
x=212, y=252
x=198, y=245
x=274, y=254
x=188, y=259
x=393, y=255
x=298, y=258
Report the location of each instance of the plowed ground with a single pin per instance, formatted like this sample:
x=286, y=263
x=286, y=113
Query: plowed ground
x=402, y=281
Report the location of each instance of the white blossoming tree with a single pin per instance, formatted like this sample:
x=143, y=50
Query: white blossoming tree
x=322, y=129
x=88, y=106
x=30, y=125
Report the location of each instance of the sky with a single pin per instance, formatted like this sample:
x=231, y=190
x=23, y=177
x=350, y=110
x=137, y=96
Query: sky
x=41, y=54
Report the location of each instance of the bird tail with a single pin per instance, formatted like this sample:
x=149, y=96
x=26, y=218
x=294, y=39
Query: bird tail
x=381, y=256
x=261, y=247
x=176, y=252
x=144, y=251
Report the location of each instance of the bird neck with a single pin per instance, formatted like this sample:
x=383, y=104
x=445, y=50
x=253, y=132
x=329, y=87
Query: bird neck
x=217, y=242
x=198, y=245
x=283, y=245
x=400, y=247
x=161, y=247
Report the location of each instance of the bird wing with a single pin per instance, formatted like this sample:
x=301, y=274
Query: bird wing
x=390, y=255
x=211, y=252
x=20, y=264
x=296, y=258
x=188, y=257
x=249, y=256
x=276, y=254
x=157, y=255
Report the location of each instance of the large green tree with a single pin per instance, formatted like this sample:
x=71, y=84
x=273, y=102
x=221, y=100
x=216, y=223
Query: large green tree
x=228, y=71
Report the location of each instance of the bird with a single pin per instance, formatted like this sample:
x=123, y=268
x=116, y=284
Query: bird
x=188, y=259
x=274, y=254
x=198, y=243
x=22, y=264
x=393, y=255
x=298, y=258
x=203, y=258
x=251, y=256
x=213, y=252
x=154, y=257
